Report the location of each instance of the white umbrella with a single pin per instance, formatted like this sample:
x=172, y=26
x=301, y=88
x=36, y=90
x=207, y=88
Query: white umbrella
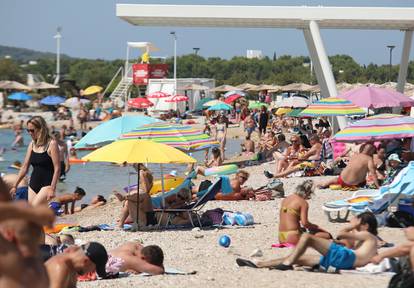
x=75, y=102
x=295, y=102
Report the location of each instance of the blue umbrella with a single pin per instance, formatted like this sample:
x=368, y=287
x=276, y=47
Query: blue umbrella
x=19, y=96
x=111, y=130
x=52, y=100
x=220, y=106
x=239, y=92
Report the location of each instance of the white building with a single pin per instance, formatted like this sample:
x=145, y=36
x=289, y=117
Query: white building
x=254, y=54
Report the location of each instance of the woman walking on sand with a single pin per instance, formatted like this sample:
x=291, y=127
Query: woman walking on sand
x=43, y=155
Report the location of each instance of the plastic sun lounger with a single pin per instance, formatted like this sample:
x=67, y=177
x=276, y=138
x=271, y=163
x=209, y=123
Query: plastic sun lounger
x=375, y=201
x=194, y=207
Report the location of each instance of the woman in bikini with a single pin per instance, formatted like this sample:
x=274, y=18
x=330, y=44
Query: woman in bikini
x=221, y=133
x=293, y=218
x=43, y=155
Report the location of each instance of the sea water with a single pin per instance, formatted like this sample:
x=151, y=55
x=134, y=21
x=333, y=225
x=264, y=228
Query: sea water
x=96, y=178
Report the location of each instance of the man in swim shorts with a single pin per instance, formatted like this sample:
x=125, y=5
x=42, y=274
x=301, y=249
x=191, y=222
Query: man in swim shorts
x=132, y=256
x=64, y=200
x=355, y=173
x=334, y=255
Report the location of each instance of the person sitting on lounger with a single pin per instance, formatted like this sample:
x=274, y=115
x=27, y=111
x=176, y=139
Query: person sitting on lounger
x=133, y=257
x=355, y=172
x=293, y=217
x=306, y=160
x=66, y=199
x=238, y=193
x=334, y=255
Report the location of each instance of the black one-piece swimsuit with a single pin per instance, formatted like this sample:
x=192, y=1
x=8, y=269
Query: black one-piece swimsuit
x=43, y=169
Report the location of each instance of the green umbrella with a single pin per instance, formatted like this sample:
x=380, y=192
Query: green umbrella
x=199, y=106
x=294, y=113
x=256, y=104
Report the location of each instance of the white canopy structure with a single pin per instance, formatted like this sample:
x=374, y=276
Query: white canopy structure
x=308, y=19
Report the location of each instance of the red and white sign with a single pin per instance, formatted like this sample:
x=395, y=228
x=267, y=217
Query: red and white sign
x=143, y=72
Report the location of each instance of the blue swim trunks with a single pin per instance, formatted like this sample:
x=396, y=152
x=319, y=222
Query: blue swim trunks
x=21, y=193
x=56, y=207
x=338, y=257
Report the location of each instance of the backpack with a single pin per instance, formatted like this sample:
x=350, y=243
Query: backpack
x=404, y=277
x=400, y=219
x=212, y=217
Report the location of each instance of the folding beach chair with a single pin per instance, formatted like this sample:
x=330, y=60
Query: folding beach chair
x=194, y=207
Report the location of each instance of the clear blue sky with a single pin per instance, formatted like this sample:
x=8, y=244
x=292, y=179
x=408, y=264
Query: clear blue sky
x=91, y=30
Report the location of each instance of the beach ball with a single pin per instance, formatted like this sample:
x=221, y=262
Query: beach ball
x=225, y=241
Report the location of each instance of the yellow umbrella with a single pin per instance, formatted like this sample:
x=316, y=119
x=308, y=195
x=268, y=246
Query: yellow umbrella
x=282, y=111
x=138, y=151
x=92, y=90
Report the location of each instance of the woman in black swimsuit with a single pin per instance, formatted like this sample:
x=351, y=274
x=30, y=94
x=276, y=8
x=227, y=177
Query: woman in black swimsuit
x=43, y=155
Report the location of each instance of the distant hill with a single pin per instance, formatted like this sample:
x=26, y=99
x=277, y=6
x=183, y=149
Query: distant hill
x=23, y=55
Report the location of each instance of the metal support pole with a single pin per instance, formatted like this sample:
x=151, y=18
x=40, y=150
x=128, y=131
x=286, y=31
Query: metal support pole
x=58, y=36
x=391, y=47
x=405, y=56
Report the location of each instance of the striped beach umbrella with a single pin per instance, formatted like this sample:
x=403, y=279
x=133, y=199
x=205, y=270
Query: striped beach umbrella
x=139, y=103
x=177, y=98
x=378, y=127
x=184, y=137
x=332, y=107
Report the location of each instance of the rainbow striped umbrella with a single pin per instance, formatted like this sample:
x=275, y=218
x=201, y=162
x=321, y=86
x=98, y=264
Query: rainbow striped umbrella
x=184, y=137
x=332, y=107
x=378, y=127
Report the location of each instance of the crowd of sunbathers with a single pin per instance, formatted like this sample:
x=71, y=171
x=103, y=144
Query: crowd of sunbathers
x=57, y=262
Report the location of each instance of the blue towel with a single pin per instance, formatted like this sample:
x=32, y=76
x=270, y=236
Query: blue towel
x=225, y=185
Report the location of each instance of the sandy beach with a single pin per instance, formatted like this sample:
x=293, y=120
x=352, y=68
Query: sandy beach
x=198, y=250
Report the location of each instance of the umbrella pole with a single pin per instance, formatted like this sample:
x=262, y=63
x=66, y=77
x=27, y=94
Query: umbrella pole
x=138, y=198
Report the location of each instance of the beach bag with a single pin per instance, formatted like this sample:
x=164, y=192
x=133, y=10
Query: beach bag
x=212, y=217
x=276, y=187
x=404, y=277
x=400, y=219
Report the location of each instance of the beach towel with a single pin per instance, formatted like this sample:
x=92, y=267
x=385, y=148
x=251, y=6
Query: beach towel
x=225, y=185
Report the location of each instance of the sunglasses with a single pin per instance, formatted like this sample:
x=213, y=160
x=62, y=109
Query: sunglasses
x=30, y=130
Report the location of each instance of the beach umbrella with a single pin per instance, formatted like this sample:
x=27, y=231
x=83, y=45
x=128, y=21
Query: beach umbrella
x=75, y=102
x=158, y=94
x=195, y=87
x=13, y=85
x=295, y=102
x=220, y=106
x=183, y=137
x=139, y=151
x=377, y=127
x=200, y=104
x=373, y=97
x=212, y=103
x=177, y=98
x=43, y=86
x=282, y=111
x=111, y=130
x=246, y=86
x=235, y=92
x=256, y=104
x=92, y=90
x=223, y=88
x=232, y=98
x=52, y=100
x=19, y=96
x=139, y=103
x=263, y=87
x=302, y=87
x=332, y=107
x=294, y=113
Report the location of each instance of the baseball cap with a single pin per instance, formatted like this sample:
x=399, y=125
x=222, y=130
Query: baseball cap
x=98, y=255
x=394, y=157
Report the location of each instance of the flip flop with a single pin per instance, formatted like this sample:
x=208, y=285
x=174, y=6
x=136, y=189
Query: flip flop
x=282, y=267
x=283, y=245
x=244, y=262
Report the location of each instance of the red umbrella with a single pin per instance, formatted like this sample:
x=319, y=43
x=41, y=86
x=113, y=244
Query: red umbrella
x=139, y=103
x=158, y=94
x=177, y=98
x=232, y=98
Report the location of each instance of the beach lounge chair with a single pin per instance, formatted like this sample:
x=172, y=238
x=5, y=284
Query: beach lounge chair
x=376, y=201
x=194, y=207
